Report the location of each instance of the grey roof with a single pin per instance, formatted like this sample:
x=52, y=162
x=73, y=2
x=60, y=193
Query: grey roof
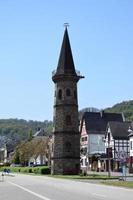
x=119, y=130
x=39, y=133
x=97, y=121
x=65, y=63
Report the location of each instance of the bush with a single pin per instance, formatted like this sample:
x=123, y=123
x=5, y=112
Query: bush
x=36, y=170
x=45, y=170
x=30, y=170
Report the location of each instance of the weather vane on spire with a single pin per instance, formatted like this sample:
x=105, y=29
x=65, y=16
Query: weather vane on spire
x=66, y=25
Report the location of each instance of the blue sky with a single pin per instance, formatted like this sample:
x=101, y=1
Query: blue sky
x=31, y=32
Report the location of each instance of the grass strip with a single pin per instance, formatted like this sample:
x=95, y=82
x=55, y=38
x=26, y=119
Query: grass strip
x=89, y=177
x=128, y=184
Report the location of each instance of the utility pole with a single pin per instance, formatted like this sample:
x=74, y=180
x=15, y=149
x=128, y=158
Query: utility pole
x=109, y=156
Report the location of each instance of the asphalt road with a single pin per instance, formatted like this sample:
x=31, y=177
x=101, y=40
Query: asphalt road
x=28, y=187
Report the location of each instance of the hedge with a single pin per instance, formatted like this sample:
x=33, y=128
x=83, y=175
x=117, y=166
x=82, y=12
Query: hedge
x=35, y=170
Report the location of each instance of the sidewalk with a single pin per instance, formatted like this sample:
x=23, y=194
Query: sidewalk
x=112, y=173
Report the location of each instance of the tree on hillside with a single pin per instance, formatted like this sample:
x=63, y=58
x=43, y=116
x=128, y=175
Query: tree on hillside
x=125, y=107
x=30, y=134
x=31, y=149
x=13, y=131
x=40, y=147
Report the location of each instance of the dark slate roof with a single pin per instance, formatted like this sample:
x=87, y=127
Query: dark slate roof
x=131, y=125
x=66, y=63
x=119, y=130
x=96, y=122
x=112, y=116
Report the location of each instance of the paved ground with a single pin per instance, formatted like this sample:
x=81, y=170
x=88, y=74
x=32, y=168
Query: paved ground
x=28, y=187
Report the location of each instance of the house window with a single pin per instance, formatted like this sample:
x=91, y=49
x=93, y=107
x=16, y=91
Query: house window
x=108, y=137
x=60, y=94
x=83, y=151
x=84, y=139
x=68, y=120
x=68, y=92
x=131, y=146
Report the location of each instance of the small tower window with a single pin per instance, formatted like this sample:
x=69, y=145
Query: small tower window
x=68, y=120
x=68, y=146
x=60, y=94
x=75, y=94
x=68, y=92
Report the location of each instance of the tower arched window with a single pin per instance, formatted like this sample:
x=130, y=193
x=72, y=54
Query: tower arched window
x=68, y=120
x=60, y=94
x=68, y=92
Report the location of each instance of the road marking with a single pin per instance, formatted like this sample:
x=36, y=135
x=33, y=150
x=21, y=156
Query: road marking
x=99, y=195
x=33, y=193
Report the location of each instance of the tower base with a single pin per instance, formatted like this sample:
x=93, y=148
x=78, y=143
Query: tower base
x=65, y=166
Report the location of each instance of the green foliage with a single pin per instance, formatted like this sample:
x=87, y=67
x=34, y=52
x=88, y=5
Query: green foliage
x=128, y=184
x=31, y=149
x=87, y=177
x=12, y=131
x=125, y=107
x=35, y=170
x=30, y=134
x=16, y=158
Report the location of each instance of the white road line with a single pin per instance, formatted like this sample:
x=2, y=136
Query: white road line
x=33, y=193
x=99, y=195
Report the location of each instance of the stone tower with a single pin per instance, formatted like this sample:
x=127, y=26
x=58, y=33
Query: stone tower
x=66, y=138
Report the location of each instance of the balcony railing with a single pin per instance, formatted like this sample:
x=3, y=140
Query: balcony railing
x=77, y=72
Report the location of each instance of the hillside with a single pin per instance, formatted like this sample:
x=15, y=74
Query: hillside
x=12, y=131
x=126, y=107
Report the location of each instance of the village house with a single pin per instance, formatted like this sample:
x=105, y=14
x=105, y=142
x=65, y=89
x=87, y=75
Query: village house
x=3, y=154
x=42, y=141
x=117, y=145
x=130, y=160
x=92, y=128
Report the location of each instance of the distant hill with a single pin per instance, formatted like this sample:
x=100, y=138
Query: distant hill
x=12, y=131
x=126, y=107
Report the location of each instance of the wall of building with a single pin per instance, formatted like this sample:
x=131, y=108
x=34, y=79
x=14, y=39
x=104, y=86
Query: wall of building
x=96, y=143
x=131, y=146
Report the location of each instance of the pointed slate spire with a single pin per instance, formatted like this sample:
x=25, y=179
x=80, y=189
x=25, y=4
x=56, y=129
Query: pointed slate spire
x=66, y=63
